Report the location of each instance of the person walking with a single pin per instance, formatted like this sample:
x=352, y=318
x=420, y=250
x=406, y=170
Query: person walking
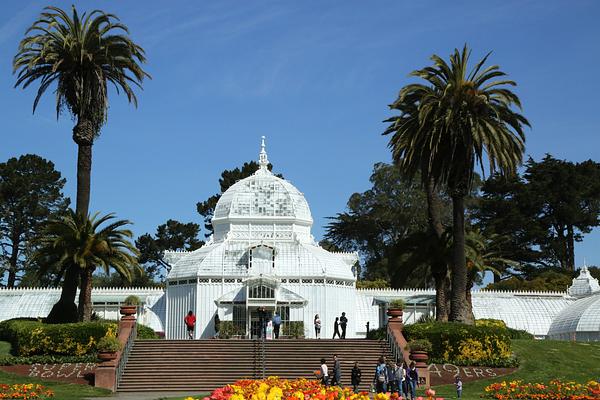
x=336, y=376
x=458, y=384
x=343, y=324
x=380, y=379
x=413, y=380
x=355, y=377
x=276, y=325
x=190, y=323
x=336, y=328
x=404, y=381
x=217, y=322
x=317, y=326
x=324, y=373
x=392, y=378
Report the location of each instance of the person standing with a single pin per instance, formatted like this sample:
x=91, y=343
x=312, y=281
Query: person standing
x=336, y=328
x=343, y=324
x=262, y=323
x=458, y=384
x=190, y=323
x=276, y=325
x=324, y=373
x=337, y=371
x=413, y=380
x=380, y=379
x=355, y=377
x=317, y=326
x=217, y=322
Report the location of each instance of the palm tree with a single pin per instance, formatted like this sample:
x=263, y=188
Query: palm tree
x=464, y=118
x=74, y=241
x=79, y=55
x=408, y=120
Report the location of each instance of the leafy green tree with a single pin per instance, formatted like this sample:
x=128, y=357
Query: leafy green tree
x=462, y=115
x=173, y=235
x=86, y=243
x=79, y=55
x=30, y=192
x=377, y=220
x=228, y=177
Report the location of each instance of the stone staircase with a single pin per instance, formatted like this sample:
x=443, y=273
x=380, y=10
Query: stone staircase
x=203, y=365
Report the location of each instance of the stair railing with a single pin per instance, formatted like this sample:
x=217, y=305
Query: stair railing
x=395, y=347
x=263, y=355
x=125, y=354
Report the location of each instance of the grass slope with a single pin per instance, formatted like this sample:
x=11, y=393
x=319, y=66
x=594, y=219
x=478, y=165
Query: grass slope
x=541, y=361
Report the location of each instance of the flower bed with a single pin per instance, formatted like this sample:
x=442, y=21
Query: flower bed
x=27, y=391
x=543, y=391
x=274, y=388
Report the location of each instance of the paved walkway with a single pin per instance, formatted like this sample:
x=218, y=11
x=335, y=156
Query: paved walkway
x=146, y=396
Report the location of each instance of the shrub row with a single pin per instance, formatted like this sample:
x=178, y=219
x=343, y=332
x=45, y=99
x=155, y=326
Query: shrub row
x=47, y=359
x=459, y=344
x=77, y=339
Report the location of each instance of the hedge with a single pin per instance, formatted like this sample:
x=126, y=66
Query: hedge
x=77, y=339
x=47, y=359
x=460, y=344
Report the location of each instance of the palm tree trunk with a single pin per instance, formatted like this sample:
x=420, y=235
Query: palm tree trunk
x=439, y=268
x=83, y=136
x=85, y=295
x=459, y=308
x=65, y=309
x=84, y=172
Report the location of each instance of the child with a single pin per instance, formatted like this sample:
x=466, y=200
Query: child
x=458, y=384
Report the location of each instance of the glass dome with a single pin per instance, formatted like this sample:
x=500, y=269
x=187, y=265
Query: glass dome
x=262, y=197
x=579, y=321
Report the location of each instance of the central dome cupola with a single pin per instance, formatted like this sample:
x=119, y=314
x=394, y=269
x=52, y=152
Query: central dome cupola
x=262, y=207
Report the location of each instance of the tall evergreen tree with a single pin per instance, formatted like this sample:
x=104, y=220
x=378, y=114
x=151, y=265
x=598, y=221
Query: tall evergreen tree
x=30, y=192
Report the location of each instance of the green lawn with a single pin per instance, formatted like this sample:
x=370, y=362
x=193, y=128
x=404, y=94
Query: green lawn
x=63, y=391
x=541, y=361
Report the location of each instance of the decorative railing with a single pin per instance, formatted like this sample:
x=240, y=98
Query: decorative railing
x=395, y=347
x=125, y=354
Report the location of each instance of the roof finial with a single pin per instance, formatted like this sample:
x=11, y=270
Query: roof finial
x=263, y=161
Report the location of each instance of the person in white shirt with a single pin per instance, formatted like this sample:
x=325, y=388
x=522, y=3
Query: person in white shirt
x=324, y=372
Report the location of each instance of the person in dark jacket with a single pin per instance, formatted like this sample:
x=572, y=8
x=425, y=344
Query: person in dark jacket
x=412, y=376
x=343, y=324
x=336, y=328
x=355, y=377
x=336, y=376
x=217, y=322
x=392, y=377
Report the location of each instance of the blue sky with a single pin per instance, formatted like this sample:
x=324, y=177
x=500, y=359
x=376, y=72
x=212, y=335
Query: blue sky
x=314, y=77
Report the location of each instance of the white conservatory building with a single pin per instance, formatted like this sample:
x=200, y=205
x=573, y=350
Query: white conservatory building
x=262, y=254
